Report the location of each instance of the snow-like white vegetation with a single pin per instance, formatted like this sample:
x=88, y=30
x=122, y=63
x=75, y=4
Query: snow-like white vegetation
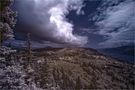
x=13, y=76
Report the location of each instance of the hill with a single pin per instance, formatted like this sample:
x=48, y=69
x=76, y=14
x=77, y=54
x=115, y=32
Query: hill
x=69, y=69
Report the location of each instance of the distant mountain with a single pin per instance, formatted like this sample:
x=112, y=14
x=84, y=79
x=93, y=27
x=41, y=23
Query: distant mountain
x=123, y=53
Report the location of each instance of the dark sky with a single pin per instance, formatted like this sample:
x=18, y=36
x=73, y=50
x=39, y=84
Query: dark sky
x=82, y=22
x=106, y=23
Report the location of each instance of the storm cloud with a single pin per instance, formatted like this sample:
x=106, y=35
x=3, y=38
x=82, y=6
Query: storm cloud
x=47, y=19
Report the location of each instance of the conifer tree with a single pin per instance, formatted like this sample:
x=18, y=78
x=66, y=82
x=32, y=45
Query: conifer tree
x=7, y=20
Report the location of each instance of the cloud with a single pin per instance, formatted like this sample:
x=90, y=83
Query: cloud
x=116, y=22
x=47, y=19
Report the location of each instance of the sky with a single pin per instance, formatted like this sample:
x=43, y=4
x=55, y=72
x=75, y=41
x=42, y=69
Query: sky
x=85, y=23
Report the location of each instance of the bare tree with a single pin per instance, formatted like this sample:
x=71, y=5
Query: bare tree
x=78, y=84
x=28, y=46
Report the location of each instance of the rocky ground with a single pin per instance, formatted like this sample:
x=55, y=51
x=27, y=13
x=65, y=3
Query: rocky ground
x=64, y=69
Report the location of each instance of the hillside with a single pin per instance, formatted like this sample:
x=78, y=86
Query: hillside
x=65, y=69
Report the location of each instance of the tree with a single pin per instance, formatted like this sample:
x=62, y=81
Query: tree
x=78, y=84
x=7, y=20
x=28, y=44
